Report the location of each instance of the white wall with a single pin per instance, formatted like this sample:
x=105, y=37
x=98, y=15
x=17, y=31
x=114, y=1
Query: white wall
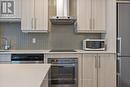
x=111, y=25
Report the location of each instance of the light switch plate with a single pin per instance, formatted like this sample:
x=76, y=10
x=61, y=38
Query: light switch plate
x=33, y=40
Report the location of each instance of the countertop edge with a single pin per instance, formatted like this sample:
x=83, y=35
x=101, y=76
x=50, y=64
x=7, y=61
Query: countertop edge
x=47, y=52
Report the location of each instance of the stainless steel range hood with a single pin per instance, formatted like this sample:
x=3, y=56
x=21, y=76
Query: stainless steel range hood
x=62, y=13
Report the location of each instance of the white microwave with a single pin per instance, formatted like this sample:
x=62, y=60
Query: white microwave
x=94, y=44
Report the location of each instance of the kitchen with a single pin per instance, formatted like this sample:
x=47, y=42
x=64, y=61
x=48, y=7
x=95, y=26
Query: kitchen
x=32, y=32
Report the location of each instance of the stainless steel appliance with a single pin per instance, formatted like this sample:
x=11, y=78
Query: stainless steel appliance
x=63, y=72
x=123, y=44
x=94, y=44
x=27, y=58
x=62, y=13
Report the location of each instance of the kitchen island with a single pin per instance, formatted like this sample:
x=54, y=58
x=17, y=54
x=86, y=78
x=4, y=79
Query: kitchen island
x=24, y=75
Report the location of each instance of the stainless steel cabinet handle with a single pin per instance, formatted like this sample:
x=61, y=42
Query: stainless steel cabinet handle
x=93, y=23
x=99, y=62
x=96, y=62
x=32, y=23
x=35, y=23
x=90, y=21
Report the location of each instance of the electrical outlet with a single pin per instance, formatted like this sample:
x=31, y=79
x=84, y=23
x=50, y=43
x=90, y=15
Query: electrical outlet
x=33, y=40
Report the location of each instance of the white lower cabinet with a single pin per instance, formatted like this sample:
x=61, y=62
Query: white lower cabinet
x=98, y=70
x=89, y=72
x=5, y=57
x=107, y=70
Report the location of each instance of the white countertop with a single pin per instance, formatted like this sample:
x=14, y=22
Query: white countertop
x=83, y=51
x=47, y=51
x=23, y=51
x=22, y=75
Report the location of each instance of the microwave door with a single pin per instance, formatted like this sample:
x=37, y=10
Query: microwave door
x=94, y=44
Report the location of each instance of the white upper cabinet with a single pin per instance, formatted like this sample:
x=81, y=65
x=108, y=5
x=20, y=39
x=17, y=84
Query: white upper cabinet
x=27, y=20
x=41, y=14
x=98, y=15
x=83, y=15
x=91, y=16
x=34, y=16
x=10, y=9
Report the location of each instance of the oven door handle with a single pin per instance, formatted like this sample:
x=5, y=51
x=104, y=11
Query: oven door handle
x=66, y=65
x=27, y=62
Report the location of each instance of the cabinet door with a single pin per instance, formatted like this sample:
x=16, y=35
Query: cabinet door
x=83, y=15
x=5, y=57
x=107, y=70
x=89, y=77
x=41, y=15
x=18, y=8
x=98, y=15
x=27, y=21
x=79, y=72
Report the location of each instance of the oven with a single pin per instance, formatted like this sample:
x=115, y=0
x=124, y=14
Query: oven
x=63, y=72
x=27, y=58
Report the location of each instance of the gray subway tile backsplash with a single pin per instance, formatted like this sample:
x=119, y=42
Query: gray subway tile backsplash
x=60, y=37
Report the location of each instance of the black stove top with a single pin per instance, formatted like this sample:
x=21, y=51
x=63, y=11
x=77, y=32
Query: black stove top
x=61, y=50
